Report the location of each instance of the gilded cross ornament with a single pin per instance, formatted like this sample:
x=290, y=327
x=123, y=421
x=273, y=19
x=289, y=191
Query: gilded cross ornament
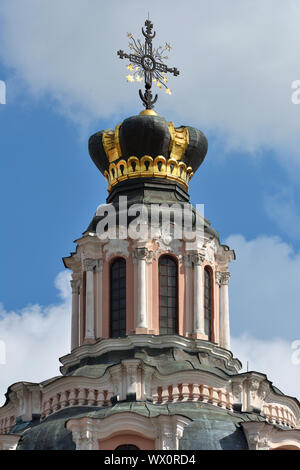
x=147, y=63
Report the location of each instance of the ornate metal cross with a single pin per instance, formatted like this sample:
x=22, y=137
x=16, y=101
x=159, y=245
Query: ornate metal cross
x=150, y=62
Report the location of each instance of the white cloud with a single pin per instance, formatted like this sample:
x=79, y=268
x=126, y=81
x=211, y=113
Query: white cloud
x=35, y=338
x=282, y=208
x=271, y=357
x=237, y=61
x=264, y=309
x=263, y=291
x=264, y=288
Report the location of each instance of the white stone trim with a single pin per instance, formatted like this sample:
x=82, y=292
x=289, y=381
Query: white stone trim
x=9, y=442
x=75, y=285
x=165, y=430
x=116, y=247
x=90, y=265
x=263, y=436
x=141, y=254
x=198, y=260
x=133, y=376
x=187, y=390
x=222, y=279
x=155, y=341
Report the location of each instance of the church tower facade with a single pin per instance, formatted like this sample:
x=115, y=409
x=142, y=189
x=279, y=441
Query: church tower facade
x=158, y=267
x=150, y=365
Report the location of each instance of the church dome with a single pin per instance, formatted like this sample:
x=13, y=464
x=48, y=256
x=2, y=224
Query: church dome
x=147, y=146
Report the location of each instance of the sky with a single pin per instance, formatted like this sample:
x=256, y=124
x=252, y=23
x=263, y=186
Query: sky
x=238, y=61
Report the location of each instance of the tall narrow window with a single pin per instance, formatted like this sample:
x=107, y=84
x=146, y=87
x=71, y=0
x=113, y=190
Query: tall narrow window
x=207, y=302
x=168, y=294
x=118, y=298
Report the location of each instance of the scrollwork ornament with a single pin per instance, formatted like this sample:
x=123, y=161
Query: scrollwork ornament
x=222, y=278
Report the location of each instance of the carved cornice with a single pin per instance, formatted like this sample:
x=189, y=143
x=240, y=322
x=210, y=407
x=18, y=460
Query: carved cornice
x=89, y=246
x=156, y=341
x=224, y=256
x=73, y=261
x=116, y=247
x=168, y=245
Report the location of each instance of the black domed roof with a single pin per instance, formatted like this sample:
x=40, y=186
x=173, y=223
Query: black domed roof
x=148, y=134
x=144, y=135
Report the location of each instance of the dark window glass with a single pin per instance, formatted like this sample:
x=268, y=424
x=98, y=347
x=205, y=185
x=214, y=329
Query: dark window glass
x=207, y=302
x=118, y=298
x=127, y=447
x=168, y=293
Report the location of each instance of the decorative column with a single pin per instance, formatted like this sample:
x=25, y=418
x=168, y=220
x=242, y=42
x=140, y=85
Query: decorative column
x=117, y=380
x=166, y=439
x=22, y=401
x=260, y=435
x=189, y=301
x=198, y=260
x=147, y=374
x=222, y=280
x=169, y=431
x=99, y=313
x=133, y=385
x=89, y=265
x=75, y=284
x=83, y=433
x=141, y=254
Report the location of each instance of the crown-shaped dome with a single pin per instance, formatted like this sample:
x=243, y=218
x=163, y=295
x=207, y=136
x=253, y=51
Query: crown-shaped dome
x=147, y=146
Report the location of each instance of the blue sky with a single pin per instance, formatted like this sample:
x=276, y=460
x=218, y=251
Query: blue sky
x=51, y=189
x=64, y=82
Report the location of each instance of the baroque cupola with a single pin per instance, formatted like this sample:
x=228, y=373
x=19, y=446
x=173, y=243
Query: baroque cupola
x=155, y=282
x=150, y=365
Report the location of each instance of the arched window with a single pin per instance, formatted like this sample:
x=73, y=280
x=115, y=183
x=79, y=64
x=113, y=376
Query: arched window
x=118, y=298
x=168, y=296
x=207, y=302
x=127, y=447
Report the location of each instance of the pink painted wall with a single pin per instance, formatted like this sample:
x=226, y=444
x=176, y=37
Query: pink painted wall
x=185, y=298
x=132, y=438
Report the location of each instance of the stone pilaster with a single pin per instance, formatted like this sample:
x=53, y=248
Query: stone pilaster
x=222, y=279
x=142, y=255
x=198, y=259
x=89, y=265
x=99, y=293
x=132, y=378
x=75, y=285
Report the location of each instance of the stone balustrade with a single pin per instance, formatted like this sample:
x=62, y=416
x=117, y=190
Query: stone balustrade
x=53, y=399
x=74, y=397
x=278, y=414
x=193, y=392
